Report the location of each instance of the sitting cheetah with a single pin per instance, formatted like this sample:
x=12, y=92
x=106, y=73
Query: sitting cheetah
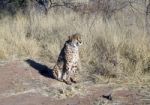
x=67, y=64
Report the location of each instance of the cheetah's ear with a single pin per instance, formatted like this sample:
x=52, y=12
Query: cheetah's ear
x=69, y=37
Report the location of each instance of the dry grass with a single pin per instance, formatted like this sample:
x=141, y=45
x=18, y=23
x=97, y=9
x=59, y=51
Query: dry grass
x=112, y=50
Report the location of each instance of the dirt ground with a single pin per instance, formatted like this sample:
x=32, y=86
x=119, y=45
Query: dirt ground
x=29, y=83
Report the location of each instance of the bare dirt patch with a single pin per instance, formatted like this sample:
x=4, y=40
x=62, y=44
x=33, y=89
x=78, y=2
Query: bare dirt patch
x=29, y=83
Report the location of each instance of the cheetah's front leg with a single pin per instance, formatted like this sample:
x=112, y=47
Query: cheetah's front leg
x=67, y=73
x=74, y=73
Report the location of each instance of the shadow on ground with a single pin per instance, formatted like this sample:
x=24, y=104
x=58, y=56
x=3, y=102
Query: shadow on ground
x=42, y=69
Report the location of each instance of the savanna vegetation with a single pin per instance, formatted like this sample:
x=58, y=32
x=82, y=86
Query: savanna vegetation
x=115, y=34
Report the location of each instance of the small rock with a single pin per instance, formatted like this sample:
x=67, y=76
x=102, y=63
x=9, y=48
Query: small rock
x=109, y=97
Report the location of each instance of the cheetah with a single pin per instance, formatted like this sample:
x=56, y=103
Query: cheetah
x=67, y=64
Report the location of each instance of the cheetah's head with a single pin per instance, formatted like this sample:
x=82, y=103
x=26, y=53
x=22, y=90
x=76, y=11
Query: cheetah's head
x=75, y=40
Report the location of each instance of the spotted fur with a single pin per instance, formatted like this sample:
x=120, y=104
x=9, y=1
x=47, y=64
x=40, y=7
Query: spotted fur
x=67, y=64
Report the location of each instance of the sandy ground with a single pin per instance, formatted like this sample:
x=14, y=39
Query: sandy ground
x=29, y=83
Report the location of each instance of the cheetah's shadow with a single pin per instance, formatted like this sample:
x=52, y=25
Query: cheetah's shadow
x=42, y=69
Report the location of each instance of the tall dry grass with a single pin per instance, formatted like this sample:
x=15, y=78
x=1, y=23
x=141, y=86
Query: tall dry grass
x=117, y=49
